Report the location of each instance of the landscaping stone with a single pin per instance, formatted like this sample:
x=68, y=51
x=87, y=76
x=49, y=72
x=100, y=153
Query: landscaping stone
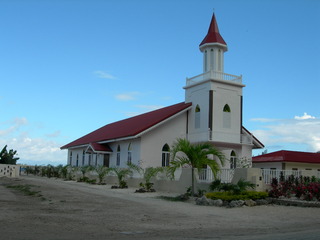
x=299, y=203
x=250, y=203
x=262, y=202
x=236, y=203
x=217, y=203
x=202, y=201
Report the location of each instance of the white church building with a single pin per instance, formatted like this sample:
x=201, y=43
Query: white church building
x=211, y=112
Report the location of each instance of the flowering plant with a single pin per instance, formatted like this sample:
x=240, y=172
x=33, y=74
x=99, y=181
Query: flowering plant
x=305, y=188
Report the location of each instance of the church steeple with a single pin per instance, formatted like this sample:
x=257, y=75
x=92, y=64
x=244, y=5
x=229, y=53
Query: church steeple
x=213, y=47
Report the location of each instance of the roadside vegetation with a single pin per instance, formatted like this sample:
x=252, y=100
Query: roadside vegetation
x=303, y=188
x=27, y=190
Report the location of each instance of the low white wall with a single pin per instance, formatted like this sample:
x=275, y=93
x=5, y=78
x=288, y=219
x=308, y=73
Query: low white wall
x=7, y=170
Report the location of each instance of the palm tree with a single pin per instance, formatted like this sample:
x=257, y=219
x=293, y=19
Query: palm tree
x=102, y=171
x=196, y=156
x=84, y=170
x=147, y=173
x=121, y=173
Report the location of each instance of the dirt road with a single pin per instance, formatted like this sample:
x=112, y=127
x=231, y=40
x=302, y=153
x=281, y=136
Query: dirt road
x=71, y=210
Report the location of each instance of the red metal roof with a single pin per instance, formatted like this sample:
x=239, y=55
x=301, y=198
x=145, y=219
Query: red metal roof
x=100, y=147
x=288, y=156
x=129, y=127
x=213, y=35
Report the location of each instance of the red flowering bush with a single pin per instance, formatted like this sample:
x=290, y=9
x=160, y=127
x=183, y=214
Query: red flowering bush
x=305, y=188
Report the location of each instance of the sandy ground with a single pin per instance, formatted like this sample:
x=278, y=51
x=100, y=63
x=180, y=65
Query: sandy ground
x=71, y=210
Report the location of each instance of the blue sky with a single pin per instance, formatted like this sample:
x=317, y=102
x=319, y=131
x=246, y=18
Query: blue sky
x=69, y=67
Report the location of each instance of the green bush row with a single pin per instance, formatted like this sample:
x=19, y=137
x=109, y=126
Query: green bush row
x=229, y=196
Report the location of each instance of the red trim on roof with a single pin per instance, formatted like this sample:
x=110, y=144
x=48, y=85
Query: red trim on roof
x=129, y=127
x=213, y=35
x=288, y=156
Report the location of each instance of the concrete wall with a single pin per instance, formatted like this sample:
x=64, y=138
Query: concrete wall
x=7, y=170
x=153, y=141
x=252, y=175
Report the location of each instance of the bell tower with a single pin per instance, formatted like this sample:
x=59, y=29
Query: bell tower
x=213, y=47
x=216, y=96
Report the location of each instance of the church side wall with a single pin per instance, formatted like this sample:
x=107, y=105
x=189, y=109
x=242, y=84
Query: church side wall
x=153, y=141
x=124, y=152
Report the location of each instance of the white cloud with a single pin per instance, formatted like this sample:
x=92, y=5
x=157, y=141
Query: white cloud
x=102, y=74
x=302, y=133
x=263, y=120
x=31, y=150
x=127, y=96
x=54, y=134
x=12, y=125
x=304, y=117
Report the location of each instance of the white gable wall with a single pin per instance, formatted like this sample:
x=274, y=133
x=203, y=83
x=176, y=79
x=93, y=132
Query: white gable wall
x=153, y=141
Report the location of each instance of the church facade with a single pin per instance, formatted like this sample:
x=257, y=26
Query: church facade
x=211, y=112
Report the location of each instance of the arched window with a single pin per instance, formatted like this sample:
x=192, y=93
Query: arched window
x=220, y=60
x=226, y=116
x=165, y=155
x=211, y=59
x=197, y=117
x=89, y=159
x=226, y=108
x=70, y=158
x=83, y=157
x=205, y=61
x=129, y=153
x=233, y=160
x=77, y=160
x=118, y=155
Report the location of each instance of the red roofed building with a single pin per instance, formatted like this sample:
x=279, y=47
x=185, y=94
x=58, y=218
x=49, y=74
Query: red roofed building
x=288, y=160
x=211, y=112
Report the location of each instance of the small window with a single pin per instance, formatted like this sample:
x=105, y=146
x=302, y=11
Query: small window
x=77, y=159
x=226, y=116
x=118, y=155
x=197, y=117
x=70, y=158
x=211, y=59
x=89, y=159
x=129, y=154
x=233, y=160
x=219, y=60
x=226, y=108
x=83, y=157
x=205, y=61
x=165, y=155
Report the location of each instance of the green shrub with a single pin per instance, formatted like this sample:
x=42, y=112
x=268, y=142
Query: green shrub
x=229, y=196
x=238, y=188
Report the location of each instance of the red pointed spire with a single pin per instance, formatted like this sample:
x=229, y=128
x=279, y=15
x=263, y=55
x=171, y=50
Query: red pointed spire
x=213, y=35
